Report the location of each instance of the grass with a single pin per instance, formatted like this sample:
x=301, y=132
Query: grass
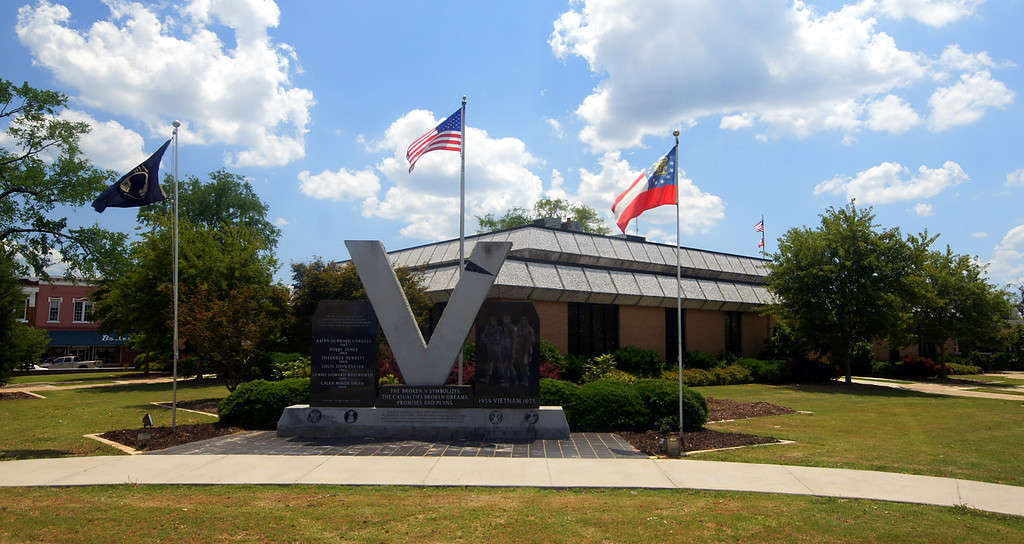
x=998, y=390
x=83, y=377
x=53, y=427
x=408, y=514
x=879, y=428
x=991, y=378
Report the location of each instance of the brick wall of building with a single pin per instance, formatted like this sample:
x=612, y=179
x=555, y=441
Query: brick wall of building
x=643, y=327
x=705, y=331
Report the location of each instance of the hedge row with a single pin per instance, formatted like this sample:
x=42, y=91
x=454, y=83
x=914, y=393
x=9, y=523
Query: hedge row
x=606, y=405
x=258, y=404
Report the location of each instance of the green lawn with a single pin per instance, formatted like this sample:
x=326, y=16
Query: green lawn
x=53, y=427
x=989, y=378
x=82, y=377
x=879, y=428
x=109, y=514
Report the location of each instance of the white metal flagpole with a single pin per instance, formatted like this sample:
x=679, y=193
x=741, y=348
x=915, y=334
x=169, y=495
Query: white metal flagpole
x=462, y=210
x=679, y=299
x=174, y=398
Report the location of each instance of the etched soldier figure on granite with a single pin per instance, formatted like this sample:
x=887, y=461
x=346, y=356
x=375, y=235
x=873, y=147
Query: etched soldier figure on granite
x=508, y=355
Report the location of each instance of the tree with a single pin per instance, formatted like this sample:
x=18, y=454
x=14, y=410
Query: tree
x=583, y=215
x=10, y=297
x=42, y=169
x=225, y=249
x=952, y=299
x=842, y=283
x=319, y=280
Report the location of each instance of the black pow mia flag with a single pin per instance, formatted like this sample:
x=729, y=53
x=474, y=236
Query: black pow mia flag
x=139, y=187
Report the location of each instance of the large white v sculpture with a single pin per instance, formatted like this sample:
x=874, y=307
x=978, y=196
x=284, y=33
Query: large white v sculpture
x=425, y=363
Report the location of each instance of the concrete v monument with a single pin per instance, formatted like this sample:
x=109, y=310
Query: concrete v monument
x=503, y=402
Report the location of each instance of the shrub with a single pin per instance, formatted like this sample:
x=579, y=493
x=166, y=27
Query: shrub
x=805, y=370
x=549, y=354
x=289, y=365
x=642, y=362
x=698, y=359
x=573, y=367
x=549, y=370
x=259, y=403
x=957, y=368
x=883, y=369
x=558, y=392
x=598, y=367
x=192, y=366
x=607, y=406
x=920, y=368
x=783, y=343
x=388, y=379
x=696, y=377
x=732, y=374
x=661, y=398
x=861, y=357
x=771, y=372
x=617, y=375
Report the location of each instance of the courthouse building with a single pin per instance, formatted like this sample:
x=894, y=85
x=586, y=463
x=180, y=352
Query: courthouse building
x=596, y=293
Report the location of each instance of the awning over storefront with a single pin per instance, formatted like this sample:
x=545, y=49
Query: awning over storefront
x=85, y=338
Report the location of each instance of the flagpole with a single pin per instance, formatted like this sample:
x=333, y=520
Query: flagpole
x=174, y=387
x=763, y=248
x=679, y=300
x=462, y=210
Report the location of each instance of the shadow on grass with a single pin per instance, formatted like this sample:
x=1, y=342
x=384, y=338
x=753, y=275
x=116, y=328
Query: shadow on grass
x=859, y=389
x=152, y=387
x=10, y=455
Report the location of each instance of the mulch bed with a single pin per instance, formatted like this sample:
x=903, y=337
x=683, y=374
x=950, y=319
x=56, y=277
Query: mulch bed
x=165, y=437
x=16, y=395
x=705, y=439
x=202, y=405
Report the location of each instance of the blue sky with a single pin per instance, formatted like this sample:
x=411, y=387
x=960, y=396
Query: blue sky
x=785, y=108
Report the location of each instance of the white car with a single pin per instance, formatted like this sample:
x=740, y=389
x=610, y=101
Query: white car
x=70, y=361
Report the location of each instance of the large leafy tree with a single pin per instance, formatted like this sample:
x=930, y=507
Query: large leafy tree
x=583, y=215
x=225, y=248
x=844, y=282
x=319, y=280
x=41, y=168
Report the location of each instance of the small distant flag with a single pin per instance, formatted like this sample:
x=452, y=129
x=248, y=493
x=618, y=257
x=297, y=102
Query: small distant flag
x=655, y=187
x=447, y=136
x=137, y=188
x=759, y=227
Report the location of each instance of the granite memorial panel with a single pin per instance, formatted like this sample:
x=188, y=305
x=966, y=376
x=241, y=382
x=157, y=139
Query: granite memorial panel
x=343, y=369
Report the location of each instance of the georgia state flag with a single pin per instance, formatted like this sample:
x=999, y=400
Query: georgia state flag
x=655, y=187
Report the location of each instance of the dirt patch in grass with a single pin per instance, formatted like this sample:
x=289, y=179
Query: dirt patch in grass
x=165, y=437
x=16, y=395
x=705, y=439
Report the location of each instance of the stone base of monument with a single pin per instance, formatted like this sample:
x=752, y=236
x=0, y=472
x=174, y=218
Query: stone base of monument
x=428, y=424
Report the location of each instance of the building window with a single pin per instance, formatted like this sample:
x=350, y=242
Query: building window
x=671, y=335
x=593, y=328
x=83, y=311
x=734, y=333
x=23, y=317
x=54, y=316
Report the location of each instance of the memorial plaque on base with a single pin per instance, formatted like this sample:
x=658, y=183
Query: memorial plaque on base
x=344, y=354
x=425, y=396
x=508, y=355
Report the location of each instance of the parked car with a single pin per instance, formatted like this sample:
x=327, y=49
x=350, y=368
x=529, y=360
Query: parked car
x=71, y=361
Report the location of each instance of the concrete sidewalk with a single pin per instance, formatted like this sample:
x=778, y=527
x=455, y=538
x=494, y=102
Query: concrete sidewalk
x=475, y=471
x=949, y=390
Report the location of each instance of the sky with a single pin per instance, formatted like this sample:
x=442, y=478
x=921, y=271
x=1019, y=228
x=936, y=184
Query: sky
x=912, y=107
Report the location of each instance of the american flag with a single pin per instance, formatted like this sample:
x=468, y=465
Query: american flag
x=446, y=136
x=759, y=227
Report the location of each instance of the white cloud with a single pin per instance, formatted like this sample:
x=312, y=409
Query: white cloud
x=965, y=101
x=556, y=126
x=936, y=13
x=736, y=122
x=342, y=185
x=109, y=144
x=954, y=58
x=785, y=65
x=556, y=189
x=923, y=209
x=979, y=235
x=891, y=182
x=281, y=222
x=498, y=177
x=892, y=114
x=154, y=69
x=1015, y=178
x=1007, y=264
x=698, y=211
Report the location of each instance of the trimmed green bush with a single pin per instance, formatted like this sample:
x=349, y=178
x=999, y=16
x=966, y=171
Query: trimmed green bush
x=920, y=368
x=611, y=406
x=701, y=360
x=641, y=362
x=732, y=374
x=259, y=403
x=770, y=372
x=598, y=367
x=573, y=367
x=616, y=375
x=883, y=369
x=957, y=368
